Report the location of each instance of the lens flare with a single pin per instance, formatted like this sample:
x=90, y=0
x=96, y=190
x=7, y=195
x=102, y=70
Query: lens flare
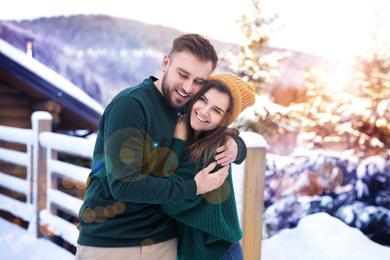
x=219, y=195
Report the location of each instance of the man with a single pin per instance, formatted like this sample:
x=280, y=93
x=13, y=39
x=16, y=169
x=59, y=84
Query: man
x=121, y=217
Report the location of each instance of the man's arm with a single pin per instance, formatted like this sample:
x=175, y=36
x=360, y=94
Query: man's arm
x=132, y=162
x=193, y=212
x=235, y=153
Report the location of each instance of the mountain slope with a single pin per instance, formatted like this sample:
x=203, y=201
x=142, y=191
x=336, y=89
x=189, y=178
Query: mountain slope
x=98, y=53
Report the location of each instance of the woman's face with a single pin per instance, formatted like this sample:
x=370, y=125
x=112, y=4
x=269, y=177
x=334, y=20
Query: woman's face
x=208, y=111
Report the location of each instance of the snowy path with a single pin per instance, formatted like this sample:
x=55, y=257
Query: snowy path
x=317, y=236
x=17, y=244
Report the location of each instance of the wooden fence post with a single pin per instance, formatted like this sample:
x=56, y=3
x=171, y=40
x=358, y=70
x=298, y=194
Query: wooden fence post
x=41, y=122
x=253, y=197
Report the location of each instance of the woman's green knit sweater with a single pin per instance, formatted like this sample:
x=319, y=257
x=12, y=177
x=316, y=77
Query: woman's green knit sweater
x=208, y=225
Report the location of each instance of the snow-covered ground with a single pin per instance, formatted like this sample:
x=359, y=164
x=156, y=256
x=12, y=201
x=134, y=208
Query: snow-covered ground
x=322, y=237
x=17, y=244
x=318, y=236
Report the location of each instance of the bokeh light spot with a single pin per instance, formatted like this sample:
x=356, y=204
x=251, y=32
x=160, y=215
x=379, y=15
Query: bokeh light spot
x=100, y=214
x=109, y=211
x=119, y=207
x=97, y=163
x=9, y=237
x=67, y=182
x=16, y=222
x=45, y=231
x=331, y=175
x=80, y=185
x=219, y=195
x=109, y=166
x=42, y=203
x=127, y=155
x=42, y=182
x=128, y=147
x=163, y=162
x=308, y=184
x=147, y=242
x=88, y=215
x=20, y=171
x=88, y=181
x=16, y=247
x=130, y=152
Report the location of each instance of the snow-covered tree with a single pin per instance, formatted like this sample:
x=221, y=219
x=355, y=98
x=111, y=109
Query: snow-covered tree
x=253, y=61
x=351, y=116
x=344, y=124
x=354, y=117
x=257, y=63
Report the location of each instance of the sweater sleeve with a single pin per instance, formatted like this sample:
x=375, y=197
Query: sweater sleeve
x=209, y=206
x=182, y=211
x=178, y=146
x=242, y=150
x=132, y=162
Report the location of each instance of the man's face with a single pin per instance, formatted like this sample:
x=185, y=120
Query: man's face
x=184, y=76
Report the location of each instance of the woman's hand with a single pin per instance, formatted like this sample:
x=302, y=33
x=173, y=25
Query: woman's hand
x=181, y=131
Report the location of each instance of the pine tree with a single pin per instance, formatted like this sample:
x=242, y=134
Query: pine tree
x=253, y=62
x=257, y=64
x=354, y=118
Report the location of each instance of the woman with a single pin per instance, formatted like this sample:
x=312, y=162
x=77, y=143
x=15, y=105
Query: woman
x=208, y=226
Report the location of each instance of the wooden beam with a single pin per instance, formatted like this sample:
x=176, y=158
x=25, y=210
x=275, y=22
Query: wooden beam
x=40, y=181
x=14, y=111
x=48, y=105
x=252, y=219
x=16, y=122
x=17, y=100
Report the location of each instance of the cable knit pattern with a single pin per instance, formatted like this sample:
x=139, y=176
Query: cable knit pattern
x=208, y=225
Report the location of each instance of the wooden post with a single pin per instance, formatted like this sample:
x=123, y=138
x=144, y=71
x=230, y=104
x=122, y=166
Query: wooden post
x=41, y=122
x=253, y=198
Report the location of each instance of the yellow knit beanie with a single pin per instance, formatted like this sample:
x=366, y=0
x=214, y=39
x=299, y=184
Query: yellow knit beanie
x=243, y=93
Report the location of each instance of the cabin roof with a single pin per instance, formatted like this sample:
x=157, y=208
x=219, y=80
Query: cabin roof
x=79, y=110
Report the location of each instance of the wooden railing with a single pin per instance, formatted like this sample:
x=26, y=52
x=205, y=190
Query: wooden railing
x=24, y=210
x=40, y=187
x=44, y=199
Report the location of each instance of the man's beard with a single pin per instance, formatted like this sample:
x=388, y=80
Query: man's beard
x=168, y=94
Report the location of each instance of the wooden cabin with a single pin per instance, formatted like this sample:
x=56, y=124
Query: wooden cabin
x=26, y=85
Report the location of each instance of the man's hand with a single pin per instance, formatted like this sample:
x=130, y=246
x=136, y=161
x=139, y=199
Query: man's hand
x=228, y=155
x=206, y=181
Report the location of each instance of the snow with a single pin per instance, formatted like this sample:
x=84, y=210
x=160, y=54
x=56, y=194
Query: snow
x=77, y=174
x=18, y=208
x=14, y=183
x=59, y=226
x=17, y=244
x=63, y=85
x=322, y=237
x=65, y=143
x=253, y=140
x=318, y=236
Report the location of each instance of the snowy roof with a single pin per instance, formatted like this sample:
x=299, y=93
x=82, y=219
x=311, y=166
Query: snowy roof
x=49, y=83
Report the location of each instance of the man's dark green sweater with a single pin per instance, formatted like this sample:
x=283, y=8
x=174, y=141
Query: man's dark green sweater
x=126, y=185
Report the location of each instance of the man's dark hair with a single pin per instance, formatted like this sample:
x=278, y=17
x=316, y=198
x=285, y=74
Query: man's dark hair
x=197, y=45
